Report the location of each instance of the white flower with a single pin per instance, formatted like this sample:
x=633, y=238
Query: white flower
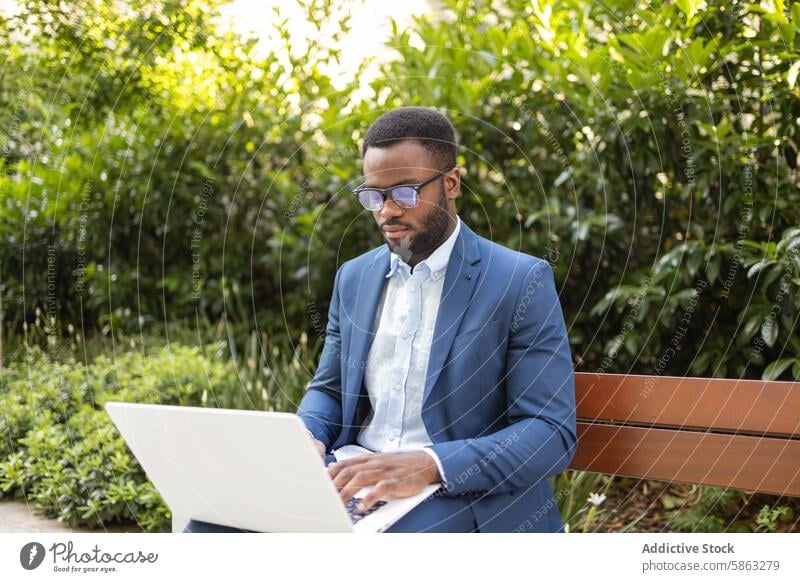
x=596, y=498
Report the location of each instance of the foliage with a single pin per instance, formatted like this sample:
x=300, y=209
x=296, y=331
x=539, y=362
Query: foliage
x=156, y=167
x=648, y=151
x=715, y=509
x=768, y=517
x=59, y=449
x=580, y=495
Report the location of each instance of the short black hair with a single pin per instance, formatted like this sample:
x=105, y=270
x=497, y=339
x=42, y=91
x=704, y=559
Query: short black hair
x=427, y=126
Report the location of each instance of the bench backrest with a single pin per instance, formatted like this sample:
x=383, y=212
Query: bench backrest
x=743, y=434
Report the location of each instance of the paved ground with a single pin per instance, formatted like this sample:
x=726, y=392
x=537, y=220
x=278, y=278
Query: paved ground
x=16, y=516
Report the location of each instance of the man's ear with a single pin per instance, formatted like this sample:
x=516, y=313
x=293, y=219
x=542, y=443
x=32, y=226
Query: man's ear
x=455, y=191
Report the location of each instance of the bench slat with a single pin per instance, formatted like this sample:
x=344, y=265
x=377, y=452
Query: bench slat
x=770, y=465
x=722, y=404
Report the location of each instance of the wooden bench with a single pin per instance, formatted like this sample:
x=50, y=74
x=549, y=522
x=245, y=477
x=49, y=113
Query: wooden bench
x=742, y=434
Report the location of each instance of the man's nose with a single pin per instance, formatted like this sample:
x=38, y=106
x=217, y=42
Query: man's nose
x=390, y=209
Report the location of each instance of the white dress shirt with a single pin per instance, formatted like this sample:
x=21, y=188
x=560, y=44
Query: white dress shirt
x=397, y=363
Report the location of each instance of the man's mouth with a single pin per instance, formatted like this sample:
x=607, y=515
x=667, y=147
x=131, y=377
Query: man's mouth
x=394, y=232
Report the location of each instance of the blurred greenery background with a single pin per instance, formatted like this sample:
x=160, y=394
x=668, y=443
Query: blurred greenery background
x=175, y=201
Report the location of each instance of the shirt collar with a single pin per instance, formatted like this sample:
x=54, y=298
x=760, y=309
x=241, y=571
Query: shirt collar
x=437, y=261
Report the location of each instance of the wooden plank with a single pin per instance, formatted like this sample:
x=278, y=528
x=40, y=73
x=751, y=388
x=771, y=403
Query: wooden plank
x=735, y=405
x=770, y=465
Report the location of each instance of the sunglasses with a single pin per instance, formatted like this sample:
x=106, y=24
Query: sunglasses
x=404, y=195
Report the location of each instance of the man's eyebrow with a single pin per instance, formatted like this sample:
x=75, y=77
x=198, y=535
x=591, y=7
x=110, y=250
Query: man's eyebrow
x=401, y=183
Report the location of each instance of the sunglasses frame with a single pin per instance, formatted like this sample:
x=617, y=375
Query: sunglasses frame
x=382, y=191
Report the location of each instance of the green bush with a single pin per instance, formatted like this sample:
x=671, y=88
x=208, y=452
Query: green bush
x=173, y=169
x=715, y=509
x=649, y=151
x=62, y=452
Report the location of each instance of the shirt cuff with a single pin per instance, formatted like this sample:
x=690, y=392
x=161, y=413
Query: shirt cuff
x=438, y=463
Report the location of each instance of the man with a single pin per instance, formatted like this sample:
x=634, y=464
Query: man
x=446, y=354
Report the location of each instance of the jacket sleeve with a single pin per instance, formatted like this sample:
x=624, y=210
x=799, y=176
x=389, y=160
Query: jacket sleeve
x=321, y=406
x=540, y=440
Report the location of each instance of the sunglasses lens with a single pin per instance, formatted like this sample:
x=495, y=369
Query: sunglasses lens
x=370, y=199
x=405, y=196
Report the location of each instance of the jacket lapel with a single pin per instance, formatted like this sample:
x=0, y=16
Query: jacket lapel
x=370, y=286
x=459, y=284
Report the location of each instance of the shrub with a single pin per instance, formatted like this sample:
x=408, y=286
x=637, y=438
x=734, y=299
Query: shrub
x=61, y=450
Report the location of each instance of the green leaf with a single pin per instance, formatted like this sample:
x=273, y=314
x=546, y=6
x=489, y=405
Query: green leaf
x=776, y=368
x=758, y=267
x=701, y=363
x=773, y=273
x=603, y=305
x=712, y=271
x=751, y=326
x=769, y=331
x=787, y=32
x=688, y=7
x=670, y=501
x=791, y=75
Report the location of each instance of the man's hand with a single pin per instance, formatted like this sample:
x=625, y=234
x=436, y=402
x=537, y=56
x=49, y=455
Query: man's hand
x=395, y=474
x=319, y=445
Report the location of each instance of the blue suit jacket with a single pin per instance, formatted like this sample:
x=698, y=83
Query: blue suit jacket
x=499, y=398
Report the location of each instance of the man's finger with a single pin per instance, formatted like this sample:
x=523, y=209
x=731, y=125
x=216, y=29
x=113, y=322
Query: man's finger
x=338, y=466
x=360, y=480
x=381, y=490
x=347, y=474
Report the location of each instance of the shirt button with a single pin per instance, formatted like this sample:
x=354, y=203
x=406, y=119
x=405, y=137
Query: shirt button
x=398, y=387
x=405, y=335
x=412, y=290
x=392, y=438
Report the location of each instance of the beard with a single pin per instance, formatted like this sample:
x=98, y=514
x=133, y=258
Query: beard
x=432, y=234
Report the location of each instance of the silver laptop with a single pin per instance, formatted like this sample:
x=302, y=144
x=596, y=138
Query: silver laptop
x=246, y=469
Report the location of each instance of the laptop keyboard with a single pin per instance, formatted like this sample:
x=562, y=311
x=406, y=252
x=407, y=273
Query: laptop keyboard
x=355, y=514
